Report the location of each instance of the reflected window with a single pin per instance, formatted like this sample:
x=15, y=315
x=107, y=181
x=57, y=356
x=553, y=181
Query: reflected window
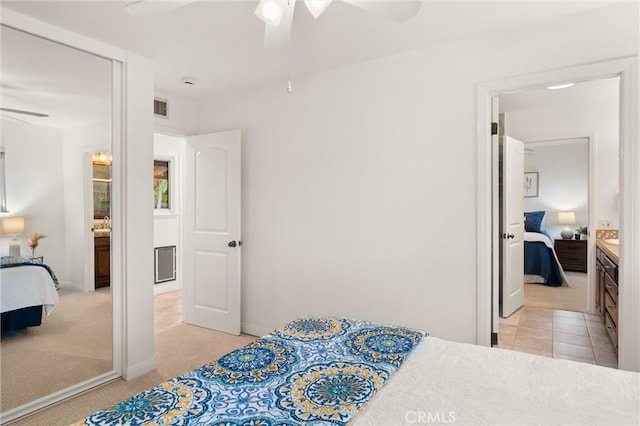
x=101, y=185
x=161, y=178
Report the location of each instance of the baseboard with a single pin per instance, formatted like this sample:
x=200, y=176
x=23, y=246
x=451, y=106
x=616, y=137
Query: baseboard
x=254, y=330
x=166, y=287
x=139, y=369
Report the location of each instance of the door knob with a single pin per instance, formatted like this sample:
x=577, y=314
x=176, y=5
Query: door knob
x=232, y=244
x=510, y=236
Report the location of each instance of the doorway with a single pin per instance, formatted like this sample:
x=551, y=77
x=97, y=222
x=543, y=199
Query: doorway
x=558, y=316
x=626, y=69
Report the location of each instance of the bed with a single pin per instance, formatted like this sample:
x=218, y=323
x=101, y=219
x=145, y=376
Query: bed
x=330, y=371
x=541, y=263
x=28, y=288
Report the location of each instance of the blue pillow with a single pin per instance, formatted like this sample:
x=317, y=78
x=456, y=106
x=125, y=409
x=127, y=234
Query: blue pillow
x=534, y=222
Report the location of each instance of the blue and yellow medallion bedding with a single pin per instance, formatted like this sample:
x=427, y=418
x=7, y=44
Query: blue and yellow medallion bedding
x=311, y=371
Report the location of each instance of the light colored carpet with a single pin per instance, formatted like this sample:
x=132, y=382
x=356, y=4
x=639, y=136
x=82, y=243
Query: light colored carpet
x=573, y=298
x=179, y=348
x=72, y=345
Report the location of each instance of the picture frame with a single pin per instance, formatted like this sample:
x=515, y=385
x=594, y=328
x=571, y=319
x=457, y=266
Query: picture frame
x=531, y=184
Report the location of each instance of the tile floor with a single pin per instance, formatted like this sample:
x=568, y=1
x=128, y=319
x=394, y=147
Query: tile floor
x=558, y=334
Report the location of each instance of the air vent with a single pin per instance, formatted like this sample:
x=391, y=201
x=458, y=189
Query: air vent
x=161, y=108
x=165, y=264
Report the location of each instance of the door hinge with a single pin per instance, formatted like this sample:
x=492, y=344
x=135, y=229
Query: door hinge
x=494, y=339
x=494, y=128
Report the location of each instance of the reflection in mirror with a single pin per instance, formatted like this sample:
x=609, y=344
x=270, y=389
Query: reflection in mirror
x=56, y=310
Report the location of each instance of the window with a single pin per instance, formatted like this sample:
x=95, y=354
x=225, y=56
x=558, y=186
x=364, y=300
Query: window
x=161, y=199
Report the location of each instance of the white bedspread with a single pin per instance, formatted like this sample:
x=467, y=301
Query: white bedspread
x=24, y=286
x=454, y=383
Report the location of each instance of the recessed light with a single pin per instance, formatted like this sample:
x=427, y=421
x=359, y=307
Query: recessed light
x=561, y=86
x=189, y=81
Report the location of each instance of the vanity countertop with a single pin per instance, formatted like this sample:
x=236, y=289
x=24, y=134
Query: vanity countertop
x=610, y=250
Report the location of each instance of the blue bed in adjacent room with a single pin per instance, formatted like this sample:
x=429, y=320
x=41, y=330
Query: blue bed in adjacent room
x=541, y=263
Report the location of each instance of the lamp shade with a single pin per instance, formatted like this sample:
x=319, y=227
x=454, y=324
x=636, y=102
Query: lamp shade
x=13, y=225
x=567, y=218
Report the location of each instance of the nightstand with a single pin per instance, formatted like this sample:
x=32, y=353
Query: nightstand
x=572, y=254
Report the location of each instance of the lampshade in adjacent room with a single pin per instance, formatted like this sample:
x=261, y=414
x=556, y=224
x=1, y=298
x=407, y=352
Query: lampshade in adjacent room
x=567, y=218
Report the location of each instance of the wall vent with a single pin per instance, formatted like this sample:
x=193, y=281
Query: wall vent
x=161, y=108
x=165, y=264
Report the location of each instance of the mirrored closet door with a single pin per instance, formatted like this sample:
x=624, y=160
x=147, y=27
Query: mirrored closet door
x=57, y=321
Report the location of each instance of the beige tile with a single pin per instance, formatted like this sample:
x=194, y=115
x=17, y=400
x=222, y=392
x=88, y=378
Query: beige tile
x=573, y=329
x=609, y=364
x=537, y=333
x=574, y=339
x=594, y=317
x=602, y=343
x=599, y=336
x=573, y=350
x=573, y=358
x=569, y=321
x=506, y=339
x=609, y=357
x=567, y=314
x=542, y=345
x=512, y=320
x=537, y=310
x=543, y=314
x=532, y=351
x=507, y=329
x=595, y=324
x=544, y=324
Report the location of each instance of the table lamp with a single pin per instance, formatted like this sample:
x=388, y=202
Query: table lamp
x=13, y=226
x=567, y=218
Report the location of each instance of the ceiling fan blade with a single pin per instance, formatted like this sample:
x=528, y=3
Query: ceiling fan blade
x=151, y=7
x=278, y=37
x=399, y=11
x=19, y=111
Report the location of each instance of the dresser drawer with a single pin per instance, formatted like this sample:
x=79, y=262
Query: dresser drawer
x=612, y=330
x=611, y=307
x=610, y=267
x=611, y=287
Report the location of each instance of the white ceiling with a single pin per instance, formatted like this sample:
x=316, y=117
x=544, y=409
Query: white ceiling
x=589, y=92
x=37, y=75
x=220, y=42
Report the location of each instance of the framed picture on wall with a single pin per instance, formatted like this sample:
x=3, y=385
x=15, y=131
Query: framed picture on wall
x=531, y=185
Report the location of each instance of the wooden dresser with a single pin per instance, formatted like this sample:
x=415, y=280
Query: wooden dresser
x=607, y=292
x=572, y=254
x=102, y=261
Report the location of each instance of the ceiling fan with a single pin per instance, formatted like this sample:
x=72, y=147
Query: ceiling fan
x=278, y=14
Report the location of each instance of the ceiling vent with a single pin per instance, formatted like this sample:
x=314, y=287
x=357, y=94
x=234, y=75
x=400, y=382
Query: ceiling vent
x=161, y=108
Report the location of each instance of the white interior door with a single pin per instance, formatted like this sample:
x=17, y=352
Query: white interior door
x=211, y=232
x=512, y=225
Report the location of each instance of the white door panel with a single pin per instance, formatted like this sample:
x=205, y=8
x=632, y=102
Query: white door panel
x=211, y=288
x=512, y=225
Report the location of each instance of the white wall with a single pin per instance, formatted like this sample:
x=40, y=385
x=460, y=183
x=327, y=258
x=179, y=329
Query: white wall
x=182, y=118
x=77, y=141
x=34, y=183
x=166, y=225
x=588, y=116
x=563, y=178
x=359, y=188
